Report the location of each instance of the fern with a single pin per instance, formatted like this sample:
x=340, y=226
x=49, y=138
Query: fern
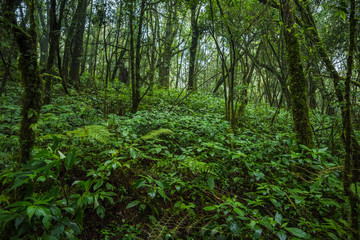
x=157, y=133
x=98, y=132
x=196, y=166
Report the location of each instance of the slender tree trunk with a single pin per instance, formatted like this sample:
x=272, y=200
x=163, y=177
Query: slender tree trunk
x=193, y=47
x=170, y=32
x=44, y=36
x=6, y=65
x=137, y=78
x=83, y=61
x=298, y=83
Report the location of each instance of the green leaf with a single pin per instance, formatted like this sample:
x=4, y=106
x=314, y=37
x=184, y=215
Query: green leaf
x=211, y=182
x=333, y=236
x=100, y=211
x=239, y=211
x=278, y=218
x=46, y=222
x=70, y=159
x=41, y=179
x=162, y=193
x=210, y=208
x=234, y=228
x=297, y=232
x=282, y=235
x=30, y=211
x=159, y=183
x=133, y=204
x=132, y=153
x=98, y=184
x=341, y=13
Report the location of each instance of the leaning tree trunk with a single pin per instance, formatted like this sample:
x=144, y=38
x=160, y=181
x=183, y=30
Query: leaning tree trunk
x=30, y=75
x=298, y=83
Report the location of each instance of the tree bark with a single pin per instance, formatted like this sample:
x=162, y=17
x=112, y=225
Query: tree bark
x=54, y=41
x=298, y=83
x=30, y=75
x=193, y=47
x=79, y=19
x=170, y=32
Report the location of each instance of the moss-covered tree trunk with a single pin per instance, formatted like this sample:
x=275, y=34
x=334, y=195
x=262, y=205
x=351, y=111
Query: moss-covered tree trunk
x=28, y=66
x=298, y=83
x=350, y=162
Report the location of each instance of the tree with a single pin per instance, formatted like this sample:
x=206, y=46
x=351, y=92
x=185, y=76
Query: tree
x=73, y=45
x=298, y=82
x=195, y=34
x=26, y=40
x=54, y=41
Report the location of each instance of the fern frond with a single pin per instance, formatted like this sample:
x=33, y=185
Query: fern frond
x=98, y=132
x=157, y=133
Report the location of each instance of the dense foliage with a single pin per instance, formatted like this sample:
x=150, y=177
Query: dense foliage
x=169, y=171
x=179, y=119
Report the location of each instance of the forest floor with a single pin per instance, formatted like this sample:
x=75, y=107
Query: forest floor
x=170, y=171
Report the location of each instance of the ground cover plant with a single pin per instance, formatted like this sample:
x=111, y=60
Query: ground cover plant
x=179, y=119
x=170, y=172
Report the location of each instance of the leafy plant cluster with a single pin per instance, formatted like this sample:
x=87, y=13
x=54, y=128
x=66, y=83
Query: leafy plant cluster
x=173, y=170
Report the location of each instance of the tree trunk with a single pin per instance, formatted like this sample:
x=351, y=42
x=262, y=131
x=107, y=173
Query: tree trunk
x=193, y=47
x=136, y=83
x=30, y=75
x=83, y=61
x=54, y=40
x=44, y=36
x=79, y=19
x=298, y=83
x=350, y=164
x=170, y=32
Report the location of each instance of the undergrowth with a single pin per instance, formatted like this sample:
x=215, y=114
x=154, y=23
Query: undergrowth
x=173, y=170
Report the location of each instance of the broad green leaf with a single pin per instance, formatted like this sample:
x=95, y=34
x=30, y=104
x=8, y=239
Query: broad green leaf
x=278, y=218
x=100, y=211
x=133, y=204
x=234, y=228
x=132, y=153
x=296, y=232
x=30, y=211
x=282, y=235
x=41, y=179
x=210, y=208
x=98, y=184
x=239, y=211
